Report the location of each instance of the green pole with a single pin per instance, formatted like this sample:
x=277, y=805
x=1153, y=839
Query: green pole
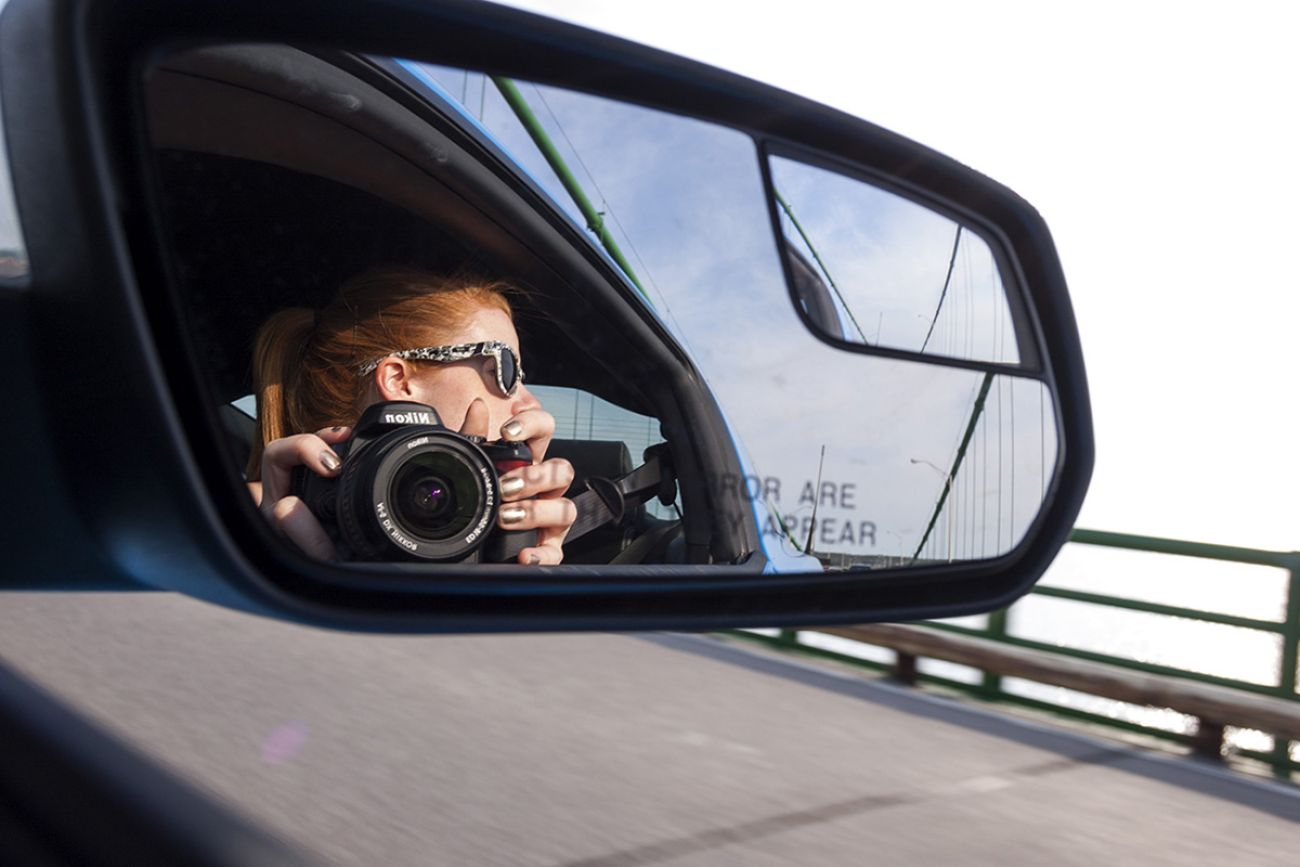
x=991, y=683
x=595, y=222
x=1290, y=664
x=1281, y=559
x=956, y=463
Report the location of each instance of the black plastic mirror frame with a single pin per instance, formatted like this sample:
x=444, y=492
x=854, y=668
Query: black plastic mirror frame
x=70, y=76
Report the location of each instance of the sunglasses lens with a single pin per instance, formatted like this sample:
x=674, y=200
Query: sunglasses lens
x=508, y=370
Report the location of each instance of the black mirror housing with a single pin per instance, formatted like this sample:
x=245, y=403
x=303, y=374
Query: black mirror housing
x=114, y=455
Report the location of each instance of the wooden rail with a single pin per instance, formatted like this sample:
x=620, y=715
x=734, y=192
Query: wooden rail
x=1213, y=706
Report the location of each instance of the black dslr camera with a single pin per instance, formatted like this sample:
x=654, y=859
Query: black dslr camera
x=411, y=489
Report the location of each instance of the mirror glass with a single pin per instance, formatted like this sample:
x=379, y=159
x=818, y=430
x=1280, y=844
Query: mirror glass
x=285, y=174
x=874, y=268
x=13, y=252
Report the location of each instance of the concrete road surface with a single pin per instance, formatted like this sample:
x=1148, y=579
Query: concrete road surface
x=612, y=750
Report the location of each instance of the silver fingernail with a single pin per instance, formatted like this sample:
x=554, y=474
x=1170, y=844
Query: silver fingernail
x=533, y=560
x=330, y=460
x=512, y=486
x=513, y=516
x=512, y=430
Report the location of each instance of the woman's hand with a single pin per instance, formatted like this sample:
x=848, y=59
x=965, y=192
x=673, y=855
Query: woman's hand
x=532, y=497
x=288, y=513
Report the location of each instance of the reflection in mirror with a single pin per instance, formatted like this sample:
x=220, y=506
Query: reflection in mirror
x=854, y=460
x=286, y=174
x=874, y=268
x=957, y=475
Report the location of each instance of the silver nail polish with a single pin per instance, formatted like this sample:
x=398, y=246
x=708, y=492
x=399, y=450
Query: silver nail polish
x=512, y=430
x=534, y=560
x=512, y=486
x=513, y=515
x=330, y=460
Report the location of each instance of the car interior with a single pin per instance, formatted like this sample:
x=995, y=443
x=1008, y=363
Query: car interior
x=281, y=173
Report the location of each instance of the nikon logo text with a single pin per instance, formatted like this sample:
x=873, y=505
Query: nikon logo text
x=408, y=418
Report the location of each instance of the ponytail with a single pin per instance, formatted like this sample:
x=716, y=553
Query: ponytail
x=277, y=364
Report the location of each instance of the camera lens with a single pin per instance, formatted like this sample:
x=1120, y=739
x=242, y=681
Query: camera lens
x=430, y=497
x=435, y=495
x=416, y=491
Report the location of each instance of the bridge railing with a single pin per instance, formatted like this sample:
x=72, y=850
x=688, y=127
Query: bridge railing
x=1155, y=676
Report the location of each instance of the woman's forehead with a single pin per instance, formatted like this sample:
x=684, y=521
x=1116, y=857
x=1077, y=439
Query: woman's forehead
x=489, y=323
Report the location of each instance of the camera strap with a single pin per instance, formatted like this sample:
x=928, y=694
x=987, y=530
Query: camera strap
x=607, y=500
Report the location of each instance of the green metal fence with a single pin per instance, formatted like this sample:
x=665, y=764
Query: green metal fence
x=999, y=628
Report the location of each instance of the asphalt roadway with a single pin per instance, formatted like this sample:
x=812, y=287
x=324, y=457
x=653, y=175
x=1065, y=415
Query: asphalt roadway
x=613, y=750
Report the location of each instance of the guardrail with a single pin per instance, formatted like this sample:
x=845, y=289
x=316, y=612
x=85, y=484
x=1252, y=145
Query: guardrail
x=1269, y=707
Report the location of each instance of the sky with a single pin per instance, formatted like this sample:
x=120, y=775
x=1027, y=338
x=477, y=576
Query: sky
x=1158, y=141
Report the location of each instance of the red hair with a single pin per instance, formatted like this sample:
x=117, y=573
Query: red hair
x=305, y=362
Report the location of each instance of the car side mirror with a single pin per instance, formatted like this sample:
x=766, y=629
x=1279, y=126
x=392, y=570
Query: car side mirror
x=853, y=359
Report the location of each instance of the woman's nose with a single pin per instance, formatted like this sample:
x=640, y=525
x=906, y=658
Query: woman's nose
x=523, y=399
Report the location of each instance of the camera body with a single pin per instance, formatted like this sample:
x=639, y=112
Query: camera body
x=412, y=489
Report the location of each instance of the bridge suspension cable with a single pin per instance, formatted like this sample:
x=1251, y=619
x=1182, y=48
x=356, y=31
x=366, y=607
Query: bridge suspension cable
x=952, y=260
